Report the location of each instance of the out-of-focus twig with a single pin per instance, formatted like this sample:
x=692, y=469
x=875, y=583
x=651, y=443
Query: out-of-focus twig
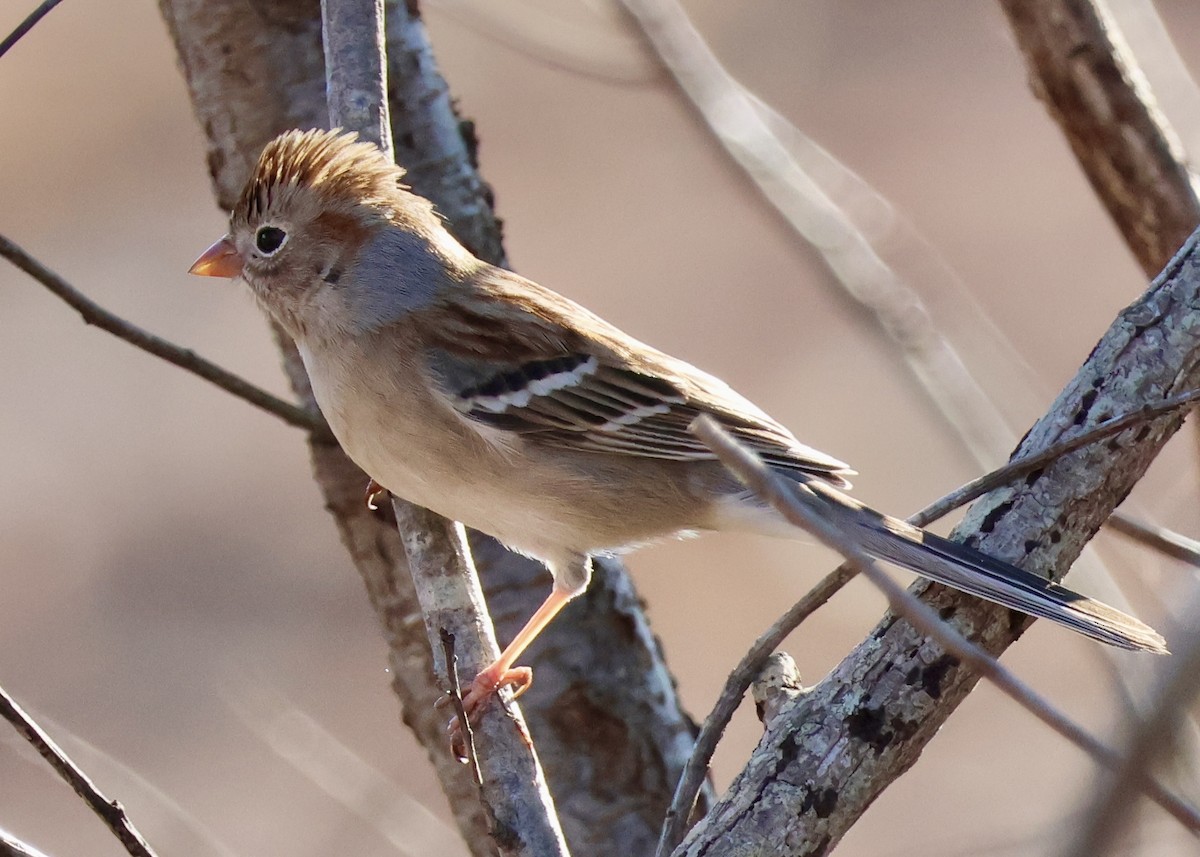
x=1173, y=544
x=10, y=846
x=794, y=505
x=1151, y=738
x=109, y=810
x=28, y=24
x=738, y=123
x=184, y=358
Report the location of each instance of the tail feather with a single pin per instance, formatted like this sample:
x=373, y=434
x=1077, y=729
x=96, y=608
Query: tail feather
x=978, y=574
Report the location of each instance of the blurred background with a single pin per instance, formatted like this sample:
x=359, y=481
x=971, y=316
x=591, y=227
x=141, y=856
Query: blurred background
x=172, y=582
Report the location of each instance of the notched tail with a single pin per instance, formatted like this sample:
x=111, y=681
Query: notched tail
x=976, y=573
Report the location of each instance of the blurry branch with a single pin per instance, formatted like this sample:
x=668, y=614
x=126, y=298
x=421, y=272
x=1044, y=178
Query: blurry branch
x=1151, y=739
x=542, y=37
x=10, y=846
x=112, y=813
x=754, y=661
x=802, y=509
x=520, y=810
x=742, y=125
x=94, y=314
x=28, y=24
x=408, y=825
x=1161, y=539
x=1082, y=70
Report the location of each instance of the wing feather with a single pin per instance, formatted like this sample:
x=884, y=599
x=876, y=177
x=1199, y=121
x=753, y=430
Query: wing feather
x=604, y=392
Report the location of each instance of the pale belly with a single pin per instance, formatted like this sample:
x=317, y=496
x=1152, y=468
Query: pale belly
x=421, y=451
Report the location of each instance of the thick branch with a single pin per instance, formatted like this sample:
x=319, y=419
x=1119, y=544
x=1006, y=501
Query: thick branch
x=868, y=721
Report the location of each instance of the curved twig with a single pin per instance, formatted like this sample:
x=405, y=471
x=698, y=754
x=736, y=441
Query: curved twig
x=94, y=314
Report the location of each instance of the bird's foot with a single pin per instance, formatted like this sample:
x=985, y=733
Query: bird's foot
x=374, y=492
x=476, y=696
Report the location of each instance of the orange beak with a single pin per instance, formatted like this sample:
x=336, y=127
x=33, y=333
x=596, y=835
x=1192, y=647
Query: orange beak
x=219, y=260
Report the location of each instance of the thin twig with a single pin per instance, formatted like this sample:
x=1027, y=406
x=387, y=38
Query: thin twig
x=184, y=358
x=751, y=663
x=1027, y=464
x=28, y=24
x=794, y=505
x=110, y=811
x=454, y=692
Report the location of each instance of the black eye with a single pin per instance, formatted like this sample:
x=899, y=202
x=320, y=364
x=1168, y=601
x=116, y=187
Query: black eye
x=268, y=239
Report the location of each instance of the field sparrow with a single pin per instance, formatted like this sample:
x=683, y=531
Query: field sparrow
x=489, y=399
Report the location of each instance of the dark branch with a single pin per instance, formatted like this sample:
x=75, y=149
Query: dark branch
x=110, y=811
x=184, y=358
x=28, y=24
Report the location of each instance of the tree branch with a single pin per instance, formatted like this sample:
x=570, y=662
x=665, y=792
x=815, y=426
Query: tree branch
x=802, y=510
x=868, y=721
x=110, y=811
x=94, y=314
x=521, y=813
x=754, y=661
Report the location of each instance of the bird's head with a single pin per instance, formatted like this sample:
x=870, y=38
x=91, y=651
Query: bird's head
x=330, y=240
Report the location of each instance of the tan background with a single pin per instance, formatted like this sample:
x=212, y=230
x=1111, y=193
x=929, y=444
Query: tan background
x=170, y=577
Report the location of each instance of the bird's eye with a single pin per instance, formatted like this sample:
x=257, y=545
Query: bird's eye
x=269, y=239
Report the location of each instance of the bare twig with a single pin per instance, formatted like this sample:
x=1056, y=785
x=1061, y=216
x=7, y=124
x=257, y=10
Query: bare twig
x=751, y=663
x=110, y=811
x=455, y=695
x=794, y=506
x=1027, y=464
x=28, y=24
x=184, y=358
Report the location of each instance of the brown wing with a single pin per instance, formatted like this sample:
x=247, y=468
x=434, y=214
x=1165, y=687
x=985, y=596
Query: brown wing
x=604, y=392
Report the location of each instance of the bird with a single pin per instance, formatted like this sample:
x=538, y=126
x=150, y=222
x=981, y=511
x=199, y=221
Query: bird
x=478, y=394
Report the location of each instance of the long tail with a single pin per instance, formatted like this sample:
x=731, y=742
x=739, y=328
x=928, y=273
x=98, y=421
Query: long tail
x=976, y=573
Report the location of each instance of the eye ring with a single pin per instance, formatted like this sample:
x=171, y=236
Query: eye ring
x=268, y=239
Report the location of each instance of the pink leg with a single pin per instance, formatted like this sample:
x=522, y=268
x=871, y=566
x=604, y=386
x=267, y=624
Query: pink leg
x=502, y=673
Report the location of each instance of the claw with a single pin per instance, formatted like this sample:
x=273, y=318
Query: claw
x=475, y=699
x=374, y=492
